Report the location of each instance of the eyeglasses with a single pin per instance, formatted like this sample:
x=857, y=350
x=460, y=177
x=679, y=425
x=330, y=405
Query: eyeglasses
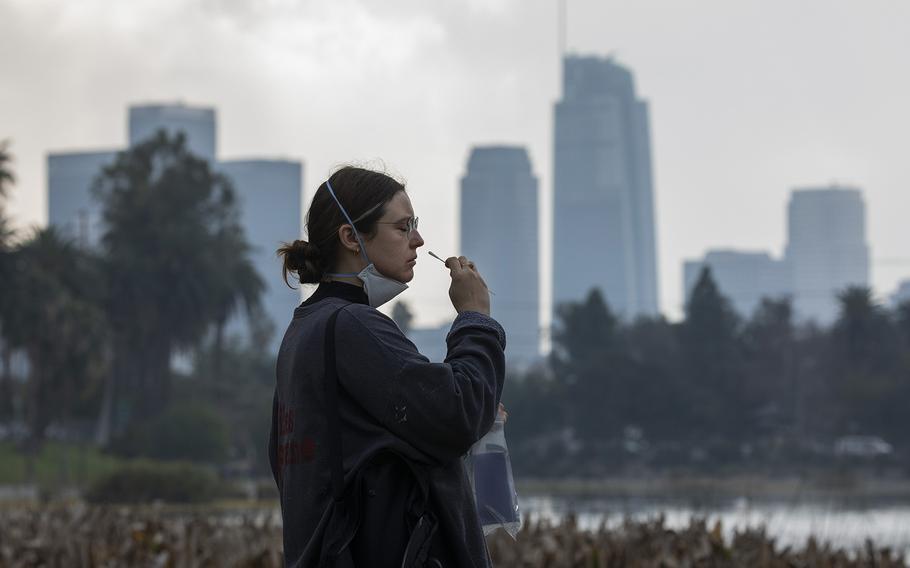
x=411, y=225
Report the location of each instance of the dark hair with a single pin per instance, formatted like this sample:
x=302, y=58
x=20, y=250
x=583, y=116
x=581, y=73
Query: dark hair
x=364, y=194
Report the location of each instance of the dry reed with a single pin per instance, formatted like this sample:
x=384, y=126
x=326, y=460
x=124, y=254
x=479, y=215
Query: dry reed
x=83, y=536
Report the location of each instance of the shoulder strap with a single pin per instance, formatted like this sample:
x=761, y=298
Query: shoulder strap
x=418, y=546
x=331, y=402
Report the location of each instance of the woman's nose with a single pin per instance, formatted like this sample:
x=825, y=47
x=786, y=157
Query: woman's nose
x=416, y=239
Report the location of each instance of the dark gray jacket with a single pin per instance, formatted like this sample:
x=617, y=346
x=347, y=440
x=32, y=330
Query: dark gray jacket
x=390, y=397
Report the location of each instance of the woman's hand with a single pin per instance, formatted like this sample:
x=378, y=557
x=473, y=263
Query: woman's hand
x=468, y=291
x=502, y=414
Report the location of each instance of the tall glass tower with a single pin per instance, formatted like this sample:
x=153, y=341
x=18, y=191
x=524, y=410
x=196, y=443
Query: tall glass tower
x=603, y=199
x=826, y=248
x=499, y=232
x=269, y=192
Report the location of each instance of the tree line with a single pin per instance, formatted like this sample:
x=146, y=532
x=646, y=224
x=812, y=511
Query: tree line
x=713, y=389
x=100, y=324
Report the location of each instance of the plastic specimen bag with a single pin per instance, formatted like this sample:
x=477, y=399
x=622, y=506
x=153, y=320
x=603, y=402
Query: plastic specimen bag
x=494, y=487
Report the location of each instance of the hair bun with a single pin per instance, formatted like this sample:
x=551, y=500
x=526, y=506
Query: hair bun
x=303, y=258
x=301, y=252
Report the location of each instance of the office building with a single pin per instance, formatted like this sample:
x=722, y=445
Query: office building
x=198, y=124
x=826, y=249
x=744, y=278
x=603, y=200
x=901, y=295
x=269, y=195
x=72, y=208
x=499, y=232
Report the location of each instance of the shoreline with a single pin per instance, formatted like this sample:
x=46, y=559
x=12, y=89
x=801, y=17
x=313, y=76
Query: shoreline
x=846, y=487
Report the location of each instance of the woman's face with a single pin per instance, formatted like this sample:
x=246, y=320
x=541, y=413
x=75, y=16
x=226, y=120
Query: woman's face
x=392, y=249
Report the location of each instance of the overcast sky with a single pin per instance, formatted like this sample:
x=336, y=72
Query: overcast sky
x=749, y=99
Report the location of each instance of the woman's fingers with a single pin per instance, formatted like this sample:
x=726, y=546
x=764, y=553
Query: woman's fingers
x=461, y=262
x=468, y=291
x=453, y=264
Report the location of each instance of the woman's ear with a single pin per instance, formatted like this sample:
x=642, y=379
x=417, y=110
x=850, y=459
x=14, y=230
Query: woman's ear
x=348, y=239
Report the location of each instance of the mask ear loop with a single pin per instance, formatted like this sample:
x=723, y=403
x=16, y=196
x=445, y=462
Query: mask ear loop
x=363, y=249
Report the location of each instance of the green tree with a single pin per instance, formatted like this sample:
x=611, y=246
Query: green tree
x=56, y=319
x=587, y=358
x=655, y=398
x=7, y=179
x=243, y=392
x=865, y=367
x=174, y=254
x=771, y=388
x=6, y=385
x=239, y=287
x=536, y=423
x=402, y=316
x=711, y=356
x=902, y=319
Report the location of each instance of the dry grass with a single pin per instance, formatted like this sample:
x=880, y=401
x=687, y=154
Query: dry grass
x=651, y=544
x=82, y=536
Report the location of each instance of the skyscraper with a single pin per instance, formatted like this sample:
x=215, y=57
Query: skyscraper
x=743, y=277
x=603, y=200
x=269, y=194
x=71, y=208
x=499, y=232
x=826, y=248
x=197, y=123
x=901, y=295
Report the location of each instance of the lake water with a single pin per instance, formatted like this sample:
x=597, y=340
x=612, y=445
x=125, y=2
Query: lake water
x=788, y=524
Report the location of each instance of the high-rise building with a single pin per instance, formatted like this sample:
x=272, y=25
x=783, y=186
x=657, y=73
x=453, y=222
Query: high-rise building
x=743, y=277
x=902, y=294
x=197, y=123
x=269, y=193
x=71, y=207
x=826, y=248
x=603, y=200
x=499, y=232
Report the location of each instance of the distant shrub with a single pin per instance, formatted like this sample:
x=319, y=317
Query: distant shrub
x=184, y=431
x=144, y=482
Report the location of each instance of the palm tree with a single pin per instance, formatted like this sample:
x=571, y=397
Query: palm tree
x=239, y=286
x=56, y=318
x=169, y=276
x=6, y=180
x=6, y=174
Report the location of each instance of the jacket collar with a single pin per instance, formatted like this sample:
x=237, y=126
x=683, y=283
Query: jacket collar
x=335, y=289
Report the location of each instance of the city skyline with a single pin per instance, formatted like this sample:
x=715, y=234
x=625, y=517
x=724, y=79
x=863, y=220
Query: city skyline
x=826, y=253
x=603, y=195
x=747, y=102
x=499, y=230
x=268, y=194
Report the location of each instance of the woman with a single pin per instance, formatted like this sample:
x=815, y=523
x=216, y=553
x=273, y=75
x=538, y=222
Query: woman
x=404, y=422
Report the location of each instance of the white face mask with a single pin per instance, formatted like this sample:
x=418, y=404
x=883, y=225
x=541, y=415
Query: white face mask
x=380, y=289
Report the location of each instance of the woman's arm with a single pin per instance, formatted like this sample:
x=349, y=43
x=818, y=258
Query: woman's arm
x=439, y=408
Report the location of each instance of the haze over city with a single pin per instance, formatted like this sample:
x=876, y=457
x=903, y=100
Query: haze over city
x=747, y=102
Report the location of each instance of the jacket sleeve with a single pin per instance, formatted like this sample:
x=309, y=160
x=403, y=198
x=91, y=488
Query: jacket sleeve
x=441, y=409
x=273, y=442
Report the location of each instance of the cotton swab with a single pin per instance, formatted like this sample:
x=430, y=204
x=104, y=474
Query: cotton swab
x=442, y=261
